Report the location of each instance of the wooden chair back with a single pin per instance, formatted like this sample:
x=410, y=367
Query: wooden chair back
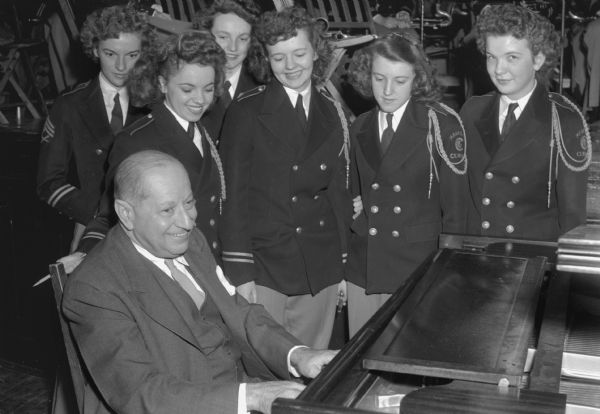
x=344, y=15
x=59, y=278
x=183, y=10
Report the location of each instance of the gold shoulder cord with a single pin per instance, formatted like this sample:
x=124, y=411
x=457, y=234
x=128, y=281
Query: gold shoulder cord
x=439, y=145
x=556, y=139
x=215, y=155
x=346, y=145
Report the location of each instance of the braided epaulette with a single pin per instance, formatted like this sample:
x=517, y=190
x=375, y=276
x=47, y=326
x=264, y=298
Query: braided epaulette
x=458, y=156
x=575, y=161
x=344, y=122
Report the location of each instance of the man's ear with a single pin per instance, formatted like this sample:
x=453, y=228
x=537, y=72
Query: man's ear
x=538, y=61
x=95, y=52
x=125, y=212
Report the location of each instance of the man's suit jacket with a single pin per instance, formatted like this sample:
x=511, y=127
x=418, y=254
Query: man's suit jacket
x=140, y=348
x=401, y=218
x=75, y=144
x=160, y=131
x=509, y=181
x=213, y=119
x=287, y=205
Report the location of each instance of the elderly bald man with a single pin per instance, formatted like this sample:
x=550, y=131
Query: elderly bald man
x=157, y=324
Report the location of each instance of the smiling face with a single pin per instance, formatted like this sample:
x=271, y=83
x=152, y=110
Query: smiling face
x=118, y=56
x=511, y=65
x=292, y=61
x=190, y=90
x=391, y=82
x=162, y=216
x=233, y=34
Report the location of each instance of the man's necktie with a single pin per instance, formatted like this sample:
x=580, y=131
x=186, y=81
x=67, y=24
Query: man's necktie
x=226, y=97
x=509, y=121
x=116, y=119
x=300, y=112
x=388, y=134
x=185, y=283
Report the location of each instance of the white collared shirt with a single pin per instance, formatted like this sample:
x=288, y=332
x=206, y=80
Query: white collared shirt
x=293, y=95
x=397, y=117
x=234, y=80
x=184, y=124
x=108, y=95
x=181, y=264
x=505, y=101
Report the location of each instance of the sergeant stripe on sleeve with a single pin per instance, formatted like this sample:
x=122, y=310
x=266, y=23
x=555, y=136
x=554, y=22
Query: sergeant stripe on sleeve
x=48, y=131
x=239, y=257
x=59, y=193
x=93, y=235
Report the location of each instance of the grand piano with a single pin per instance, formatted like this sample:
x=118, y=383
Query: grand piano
x=484, y=325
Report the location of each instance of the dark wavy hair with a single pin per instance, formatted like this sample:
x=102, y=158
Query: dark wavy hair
x=276, y=26
x=246, y=10
x=521, y=23
x=110, y=22
x=397, y=47
x=190, y=47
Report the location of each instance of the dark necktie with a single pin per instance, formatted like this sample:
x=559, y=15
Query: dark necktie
x=226, y=97
x=300, y=112
x=388, y=134
x=185, y=283
x=509, y=121
x=191, y=131
x=116, y=119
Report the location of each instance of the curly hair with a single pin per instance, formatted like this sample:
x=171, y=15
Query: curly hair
x=246, y=10
x=397, y=47
x=191, y=47
x=276, y=26
x=110, y=22
x=521, y=23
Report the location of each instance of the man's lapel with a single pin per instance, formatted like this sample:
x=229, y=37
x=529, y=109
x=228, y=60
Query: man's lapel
x=202, y=267
x=154, y=291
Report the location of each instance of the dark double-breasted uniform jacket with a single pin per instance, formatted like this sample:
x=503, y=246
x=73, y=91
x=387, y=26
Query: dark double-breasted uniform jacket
x=283, y=221
x=522, y=188
x=160, y=131
x=213, y=119
x=409, y=194
x=76, y=140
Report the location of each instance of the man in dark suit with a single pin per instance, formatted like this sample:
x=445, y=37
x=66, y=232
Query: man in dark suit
x=81, y=128
x=529, y=149
x=158, y=326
